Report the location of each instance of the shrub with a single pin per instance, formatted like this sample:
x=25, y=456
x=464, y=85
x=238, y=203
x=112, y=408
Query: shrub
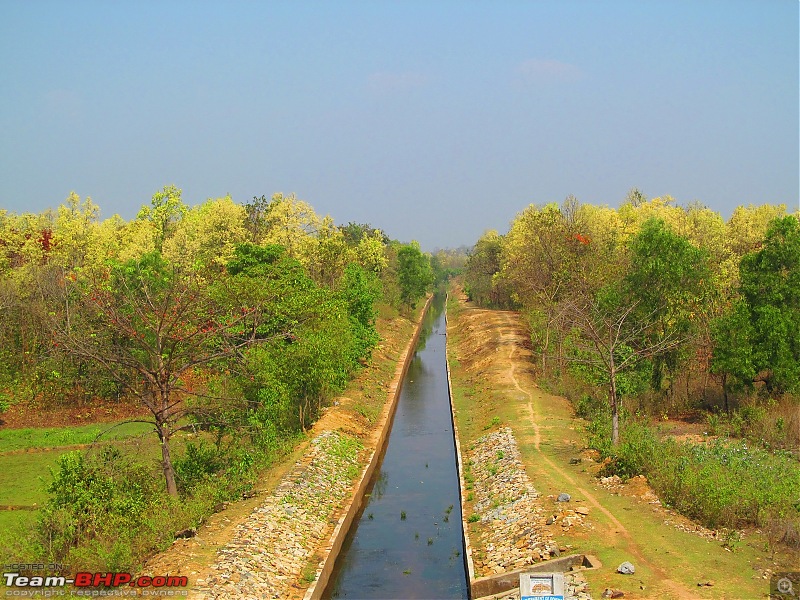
x=199, y=463
x=588, y=406
x=723, y=484
x=96, y=503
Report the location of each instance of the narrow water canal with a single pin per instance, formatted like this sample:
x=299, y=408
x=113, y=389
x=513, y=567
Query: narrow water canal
x=407, y=541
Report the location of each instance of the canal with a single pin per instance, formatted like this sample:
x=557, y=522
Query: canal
x=407, y=541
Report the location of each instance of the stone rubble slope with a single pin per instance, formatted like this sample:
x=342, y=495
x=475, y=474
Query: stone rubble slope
x=277, y=540
x=513, y=534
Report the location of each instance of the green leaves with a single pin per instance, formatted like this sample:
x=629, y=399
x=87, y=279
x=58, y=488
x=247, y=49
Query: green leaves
x=668, y=274
x=770, y=312
x=414, y=273
x=360, y=290
x=313, y=336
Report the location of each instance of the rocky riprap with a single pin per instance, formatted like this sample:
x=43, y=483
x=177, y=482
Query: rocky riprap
x=274, y=544
x=513, y=515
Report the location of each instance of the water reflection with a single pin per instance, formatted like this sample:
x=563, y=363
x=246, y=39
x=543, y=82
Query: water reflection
x=407, y=541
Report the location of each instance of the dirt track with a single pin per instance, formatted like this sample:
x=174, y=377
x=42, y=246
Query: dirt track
x=493, y=350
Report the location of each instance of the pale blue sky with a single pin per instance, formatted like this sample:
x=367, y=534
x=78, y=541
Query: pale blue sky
x=432, y=120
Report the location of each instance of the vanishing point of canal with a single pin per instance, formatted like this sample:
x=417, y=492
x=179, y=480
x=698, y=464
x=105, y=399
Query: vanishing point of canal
x=407, y=541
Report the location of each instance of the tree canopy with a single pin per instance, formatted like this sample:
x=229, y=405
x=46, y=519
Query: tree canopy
x=637, y=298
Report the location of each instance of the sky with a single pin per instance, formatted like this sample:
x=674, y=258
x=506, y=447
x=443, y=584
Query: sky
x=432, y=120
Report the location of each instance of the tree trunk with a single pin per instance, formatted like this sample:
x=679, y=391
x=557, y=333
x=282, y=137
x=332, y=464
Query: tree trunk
x=612, y=392
x=544, y=350
x=725, y=391
x=166, y=460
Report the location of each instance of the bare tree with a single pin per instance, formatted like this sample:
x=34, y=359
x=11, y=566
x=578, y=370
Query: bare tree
x=607, y=333
x=147, y=325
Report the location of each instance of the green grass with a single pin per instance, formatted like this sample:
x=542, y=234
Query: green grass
x=53, y=437
x=17, y=520
x=684, y=557
x=24, y=477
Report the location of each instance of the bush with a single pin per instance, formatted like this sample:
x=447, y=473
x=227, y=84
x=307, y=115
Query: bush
x=588, y=406
x=723, y=484
x=198, y=464
x=97, y=504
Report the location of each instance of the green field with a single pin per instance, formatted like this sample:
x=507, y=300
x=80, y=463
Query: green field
x=54, y=437
x=27, y=457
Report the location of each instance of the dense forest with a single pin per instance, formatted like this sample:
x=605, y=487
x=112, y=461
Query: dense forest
x=238, y=322
x=655, y=311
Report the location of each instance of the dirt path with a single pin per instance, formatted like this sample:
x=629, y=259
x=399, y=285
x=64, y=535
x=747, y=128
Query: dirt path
x=494, y=376
x=619, y=529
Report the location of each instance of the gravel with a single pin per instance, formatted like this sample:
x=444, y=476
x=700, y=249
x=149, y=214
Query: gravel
x=274, y=544
x=513, y=515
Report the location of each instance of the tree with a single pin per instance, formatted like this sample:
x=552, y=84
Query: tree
x=165, y=211
x=748, y=225
x=256, y=222
x=74, y=232
x=732, y=334
x=414, y=273
x=547, y=260
x=360, y=290
x=770, y=286
x=206, y=236
x=668, y=279
x=147, y=324
x=370, y=251
x=355, y=232
x=481, y=269
x=285, y=379
x=293, y=224
x=641, y=317
x=330, y=255
x=635, y=197
x=602, y=338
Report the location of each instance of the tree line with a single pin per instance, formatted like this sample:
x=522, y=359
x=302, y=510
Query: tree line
x=223, y=316
x=640, y=299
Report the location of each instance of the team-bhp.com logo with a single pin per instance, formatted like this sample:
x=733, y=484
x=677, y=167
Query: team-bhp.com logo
x=94, y=580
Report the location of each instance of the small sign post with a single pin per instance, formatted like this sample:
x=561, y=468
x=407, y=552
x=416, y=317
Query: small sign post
x=541, y=586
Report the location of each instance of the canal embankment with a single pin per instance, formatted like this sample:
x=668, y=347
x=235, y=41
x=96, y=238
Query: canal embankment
x=407, y=540
x=495, y=388
x=275, y=543
x=506, y=520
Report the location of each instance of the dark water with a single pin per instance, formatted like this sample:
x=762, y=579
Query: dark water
x=421, y=555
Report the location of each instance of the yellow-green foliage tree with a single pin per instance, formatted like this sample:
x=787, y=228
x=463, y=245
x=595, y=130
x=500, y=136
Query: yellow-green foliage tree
x=206, y=236
x=556, y=259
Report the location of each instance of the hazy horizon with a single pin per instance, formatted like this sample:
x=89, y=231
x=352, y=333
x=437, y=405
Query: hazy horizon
x=433, y=121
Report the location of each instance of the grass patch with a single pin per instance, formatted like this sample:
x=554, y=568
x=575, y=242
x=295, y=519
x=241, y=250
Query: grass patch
x=53, y=437
x=309, y=574
x=24, y=477
x=369, y=411
x=18, y=522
